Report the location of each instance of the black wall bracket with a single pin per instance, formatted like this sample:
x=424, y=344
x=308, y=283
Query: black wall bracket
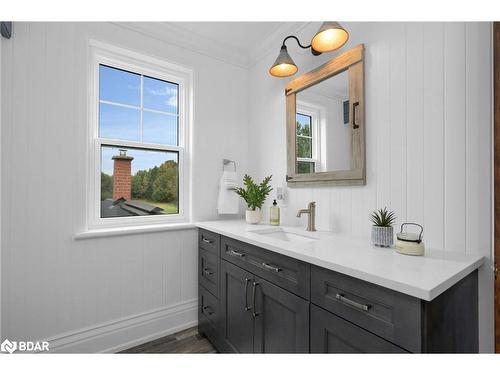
x=6, y=29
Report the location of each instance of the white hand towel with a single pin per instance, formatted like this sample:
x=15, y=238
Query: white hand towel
x=228, y=200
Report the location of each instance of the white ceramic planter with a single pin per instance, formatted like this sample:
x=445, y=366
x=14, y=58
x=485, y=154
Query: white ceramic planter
x=253, y=216
x=382, y=236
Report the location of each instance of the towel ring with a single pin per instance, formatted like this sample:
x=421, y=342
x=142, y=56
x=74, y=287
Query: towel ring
x=226, y=162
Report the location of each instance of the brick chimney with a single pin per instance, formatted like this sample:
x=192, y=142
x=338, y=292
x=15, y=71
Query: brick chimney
x=122, y=176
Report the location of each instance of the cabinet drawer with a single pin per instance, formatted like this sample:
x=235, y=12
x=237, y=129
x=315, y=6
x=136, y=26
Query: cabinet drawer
x=393, y=316
x=208, y=314
x=209, y=271
x=331, y=334
x=209, y=241
x=288, y=273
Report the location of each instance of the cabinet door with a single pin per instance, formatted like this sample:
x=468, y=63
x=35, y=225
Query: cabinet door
x=281, y=319
x=332, y=334
x=237, y=319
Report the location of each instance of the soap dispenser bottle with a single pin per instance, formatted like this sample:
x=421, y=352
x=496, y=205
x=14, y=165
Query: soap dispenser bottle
x=274, y=214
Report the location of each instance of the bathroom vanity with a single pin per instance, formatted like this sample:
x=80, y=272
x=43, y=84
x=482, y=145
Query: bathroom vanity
x=266, y=289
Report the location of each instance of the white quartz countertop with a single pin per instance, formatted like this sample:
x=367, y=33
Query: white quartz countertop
x=424, y=277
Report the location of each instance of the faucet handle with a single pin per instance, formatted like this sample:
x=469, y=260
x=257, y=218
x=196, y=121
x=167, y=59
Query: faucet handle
x=312, y=203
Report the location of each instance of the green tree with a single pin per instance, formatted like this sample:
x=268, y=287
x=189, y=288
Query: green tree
x=106, y=186
x=137, y=184
x=165, y=183
x=304, y=145
x=157, y=184
x=150, y=181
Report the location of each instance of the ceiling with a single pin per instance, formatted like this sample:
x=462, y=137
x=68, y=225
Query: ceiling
x=241, y=36
x=239, y=43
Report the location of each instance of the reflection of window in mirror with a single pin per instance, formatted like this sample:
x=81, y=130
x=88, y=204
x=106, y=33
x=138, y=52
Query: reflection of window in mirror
x=326, y=106
x=308, y=139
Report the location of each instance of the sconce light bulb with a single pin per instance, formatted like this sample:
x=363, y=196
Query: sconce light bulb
x=330, y=36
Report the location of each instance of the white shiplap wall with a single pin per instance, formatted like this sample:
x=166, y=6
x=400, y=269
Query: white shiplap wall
x=96, y=294
x=428, y=138
x=428, y=97
x=1, y=187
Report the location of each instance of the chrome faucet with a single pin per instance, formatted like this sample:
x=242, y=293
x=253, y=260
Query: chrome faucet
x=311, y=218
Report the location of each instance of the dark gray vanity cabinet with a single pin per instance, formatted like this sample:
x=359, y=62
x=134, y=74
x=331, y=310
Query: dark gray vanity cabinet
x=209, y=320
x=332, y=334
x=391, y=315
x=260, y=317
x=447, y=324
x=252, y=300
x=237, y=323
x=281, y=323
x=254, y=312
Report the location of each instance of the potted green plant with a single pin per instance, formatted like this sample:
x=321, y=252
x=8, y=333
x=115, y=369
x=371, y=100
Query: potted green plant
x=382, y=231
x=254, y=195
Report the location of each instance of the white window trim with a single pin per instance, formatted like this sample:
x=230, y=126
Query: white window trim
x=101, y=53
x=315, y=113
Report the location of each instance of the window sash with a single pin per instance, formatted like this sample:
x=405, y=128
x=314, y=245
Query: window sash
x=103, y=54
x=304, y=136
x=151, y=219
x=139, y=108
x=313, y=115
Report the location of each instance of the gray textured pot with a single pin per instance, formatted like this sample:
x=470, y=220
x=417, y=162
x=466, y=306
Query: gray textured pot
x=382, y=236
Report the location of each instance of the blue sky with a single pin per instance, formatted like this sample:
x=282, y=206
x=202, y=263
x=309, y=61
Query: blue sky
x=304, y=121
x=118, y=122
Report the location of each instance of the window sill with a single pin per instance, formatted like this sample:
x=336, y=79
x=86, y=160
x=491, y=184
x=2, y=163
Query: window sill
x=122, y=231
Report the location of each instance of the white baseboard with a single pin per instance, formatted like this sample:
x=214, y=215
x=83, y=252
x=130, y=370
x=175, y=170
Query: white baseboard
x=120, y=334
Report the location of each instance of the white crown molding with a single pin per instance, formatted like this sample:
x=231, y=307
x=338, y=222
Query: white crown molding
x=171, y=33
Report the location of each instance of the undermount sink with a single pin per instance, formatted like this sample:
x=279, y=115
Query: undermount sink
x=284, y=234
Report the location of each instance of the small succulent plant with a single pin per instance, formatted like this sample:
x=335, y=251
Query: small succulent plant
x=383, y=217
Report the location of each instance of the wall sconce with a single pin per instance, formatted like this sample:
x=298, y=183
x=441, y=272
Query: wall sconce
x=330, y=36
x=6, y=29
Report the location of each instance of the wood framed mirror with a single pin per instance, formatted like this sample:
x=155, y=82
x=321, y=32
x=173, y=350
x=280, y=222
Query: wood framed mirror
x=325, y=121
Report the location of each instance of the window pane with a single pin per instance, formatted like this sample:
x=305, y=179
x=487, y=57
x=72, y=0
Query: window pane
x=160, y=95
x=304, y=125
x=304, y=147
x=136, y=182
x=119, y=122
x=305, y=167
x=159, y=128
x=119, y=86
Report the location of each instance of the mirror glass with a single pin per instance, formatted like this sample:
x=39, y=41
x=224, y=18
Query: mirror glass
x=323, y=133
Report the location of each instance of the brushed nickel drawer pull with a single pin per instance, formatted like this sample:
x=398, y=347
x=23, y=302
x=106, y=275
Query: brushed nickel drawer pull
x=271, y=267
x=237, y=253
x=254, y=313
x=247, y=281
x=206, y=240
x=352, y=303
x=208, y=309
x=207, y=272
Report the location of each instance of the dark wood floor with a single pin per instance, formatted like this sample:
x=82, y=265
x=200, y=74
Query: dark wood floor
x=187, y=341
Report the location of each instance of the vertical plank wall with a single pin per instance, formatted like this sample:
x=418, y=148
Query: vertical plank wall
x=1, y=187
x=94, y=294
x=428, y=138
